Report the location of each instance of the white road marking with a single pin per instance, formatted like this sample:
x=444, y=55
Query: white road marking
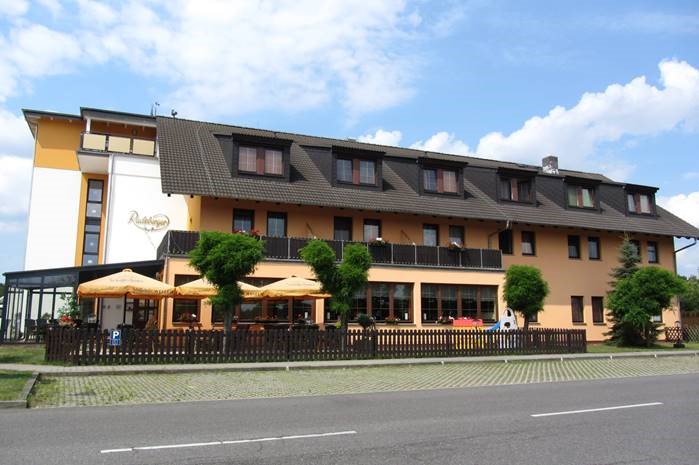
x=236, y=441
x=602, y=409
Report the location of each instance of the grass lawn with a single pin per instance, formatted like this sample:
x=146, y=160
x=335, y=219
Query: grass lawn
x=11, y=384
x=603, y=347
x=22, y=353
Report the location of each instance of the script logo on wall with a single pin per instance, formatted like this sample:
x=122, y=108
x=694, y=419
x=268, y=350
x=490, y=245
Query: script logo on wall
x=149, y=223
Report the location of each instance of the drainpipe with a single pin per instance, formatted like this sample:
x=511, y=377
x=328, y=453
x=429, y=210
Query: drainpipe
x=508, y=225
x=674, y=259
x=108, y=209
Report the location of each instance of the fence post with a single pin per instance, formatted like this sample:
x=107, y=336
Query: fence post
x=374, y=343
x=287, y=336
x=569, y=341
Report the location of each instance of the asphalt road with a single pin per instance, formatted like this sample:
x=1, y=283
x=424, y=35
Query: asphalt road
x=489, y=425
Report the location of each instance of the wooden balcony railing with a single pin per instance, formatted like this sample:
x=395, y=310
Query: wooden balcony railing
x=180, y=243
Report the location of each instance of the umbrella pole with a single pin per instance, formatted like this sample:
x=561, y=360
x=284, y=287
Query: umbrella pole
x=123, y=319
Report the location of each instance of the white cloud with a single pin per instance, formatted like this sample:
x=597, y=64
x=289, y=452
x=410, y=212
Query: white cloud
x=13, y=8
x=53, y=6
x=443, y=142
x=15, y=180
x=15, y=137
x=235, y=58
x=633, y=109
x=686, y=206
x=382, y=137
x=32, y=51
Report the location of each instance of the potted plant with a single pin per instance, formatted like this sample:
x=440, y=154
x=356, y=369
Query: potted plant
x=365, y=321
x=456, y=246
x=446, y=320
x=69, y=311
x=391, y=320
x=378, y=242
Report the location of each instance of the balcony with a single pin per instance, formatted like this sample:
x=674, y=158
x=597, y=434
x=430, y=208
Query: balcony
x=117, y=144
x=180, y=243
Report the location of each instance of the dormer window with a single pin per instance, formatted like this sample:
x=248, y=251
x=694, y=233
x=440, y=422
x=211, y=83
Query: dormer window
x=516, y=189
x=639, y=203
x=581, y=197
x=260, y=160
x=356, y=171
x=440, y=180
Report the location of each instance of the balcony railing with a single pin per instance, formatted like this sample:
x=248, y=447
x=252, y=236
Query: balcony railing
x=180, y=243
x=118, y=144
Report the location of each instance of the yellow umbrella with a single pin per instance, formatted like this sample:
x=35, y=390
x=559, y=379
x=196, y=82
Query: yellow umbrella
x=125, y=283
x=202, y=288
x=294, y=287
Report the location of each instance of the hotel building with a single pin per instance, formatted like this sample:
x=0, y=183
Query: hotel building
x=112, y=190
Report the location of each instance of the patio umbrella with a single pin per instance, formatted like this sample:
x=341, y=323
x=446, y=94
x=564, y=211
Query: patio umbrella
x=294, y=287
x=125, y=283
x=202, y=288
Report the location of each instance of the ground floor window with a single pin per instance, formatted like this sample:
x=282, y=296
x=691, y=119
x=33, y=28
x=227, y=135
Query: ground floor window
x=185, y=310
x=576, y=304
x=598, y=309
x=379, y=300
x=458, y=302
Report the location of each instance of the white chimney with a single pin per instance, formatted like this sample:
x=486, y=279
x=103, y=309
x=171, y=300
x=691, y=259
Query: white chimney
x=549, y=164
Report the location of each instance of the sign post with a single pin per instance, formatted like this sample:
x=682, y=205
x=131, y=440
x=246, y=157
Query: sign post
x=115, y=338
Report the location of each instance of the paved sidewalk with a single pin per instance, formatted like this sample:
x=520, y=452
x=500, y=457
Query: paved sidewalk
x=146, y=388
x=58, y=370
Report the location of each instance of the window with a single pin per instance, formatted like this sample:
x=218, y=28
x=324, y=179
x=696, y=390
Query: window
x=581, y=197
x=573, y=246
x=528, y=243
x=456, y=235
x=218, y=313
x=273, y=162
x=372, y=230
x=639, y=203
x=430, y=303
x=449, y=181
x=93, y=222
x=367, y=172
x=344, y=170
x=302, y=309
x=260, y=160
x=637, y=245
x=458, y=302
x=243, y=220
x=247, y=159
x=276, y=224
x=185, y=310
x=430, y=180
x=576, y=304
x=593, y=248
x=652, y=252
x=250, y=310
x=343, y=228
x=276, y=309
x=598, y=310
x=430, y=234
x=380, y=301
x=656, y=318
x=505, y=241
x=517, y=190
x=440, y=180
x=380, y=307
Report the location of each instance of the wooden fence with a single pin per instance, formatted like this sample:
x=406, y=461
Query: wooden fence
x=86, y=347
x=689, y=333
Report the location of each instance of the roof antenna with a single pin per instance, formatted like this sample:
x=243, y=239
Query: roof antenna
x=173, y=113
x=154, y=109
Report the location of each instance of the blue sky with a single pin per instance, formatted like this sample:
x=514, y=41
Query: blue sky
x=610, y=87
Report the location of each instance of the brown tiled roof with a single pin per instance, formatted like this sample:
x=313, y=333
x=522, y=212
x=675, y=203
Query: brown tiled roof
x=192, y=162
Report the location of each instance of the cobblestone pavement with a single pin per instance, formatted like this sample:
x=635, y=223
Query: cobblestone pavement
x=152, y=388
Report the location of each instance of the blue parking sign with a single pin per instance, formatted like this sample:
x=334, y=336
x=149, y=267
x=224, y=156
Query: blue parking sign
x=115, y=339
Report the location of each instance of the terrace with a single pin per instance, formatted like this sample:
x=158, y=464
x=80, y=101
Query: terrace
x=180, y=243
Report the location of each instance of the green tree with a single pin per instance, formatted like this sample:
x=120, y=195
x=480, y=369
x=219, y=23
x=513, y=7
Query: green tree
x=341, y=281
x=224, y=259
x=636, y=300
x=628, y=262
x=525, y=291
x=689, y=299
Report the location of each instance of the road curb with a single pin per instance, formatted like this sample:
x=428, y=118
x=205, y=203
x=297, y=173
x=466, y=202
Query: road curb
x=26, y=390
x=344, y=364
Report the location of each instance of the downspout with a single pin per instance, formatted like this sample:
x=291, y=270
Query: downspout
x=108, y=210
x=674, y=259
